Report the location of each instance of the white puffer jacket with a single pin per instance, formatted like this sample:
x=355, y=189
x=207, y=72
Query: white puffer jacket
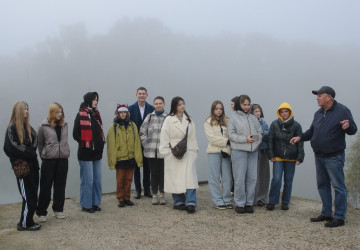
x=217, y=137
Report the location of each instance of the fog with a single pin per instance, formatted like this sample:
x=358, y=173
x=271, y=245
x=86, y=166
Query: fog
x=199, y=66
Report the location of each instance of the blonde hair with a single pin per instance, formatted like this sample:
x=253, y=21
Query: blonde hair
x=21, y=122
x=53, y=109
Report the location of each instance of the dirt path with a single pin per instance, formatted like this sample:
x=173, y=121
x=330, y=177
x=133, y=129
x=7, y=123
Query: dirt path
x=145, y=226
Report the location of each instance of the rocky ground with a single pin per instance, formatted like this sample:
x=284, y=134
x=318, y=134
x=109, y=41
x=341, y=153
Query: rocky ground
x=145, y=226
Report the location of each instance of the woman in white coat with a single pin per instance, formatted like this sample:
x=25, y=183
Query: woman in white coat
x=180, y=177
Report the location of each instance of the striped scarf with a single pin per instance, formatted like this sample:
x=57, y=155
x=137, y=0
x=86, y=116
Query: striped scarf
x=85, y=126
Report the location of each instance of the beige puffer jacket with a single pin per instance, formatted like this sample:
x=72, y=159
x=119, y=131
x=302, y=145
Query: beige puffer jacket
x=217, y=140
x=49, y=145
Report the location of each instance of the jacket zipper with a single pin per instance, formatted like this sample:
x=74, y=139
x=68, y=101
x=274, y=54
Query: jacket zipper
x=250, y=131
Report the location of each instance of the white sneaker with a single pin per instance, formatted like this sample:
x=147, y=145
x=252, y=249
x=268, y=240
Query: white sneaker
x=41, y=218
x=59, y=215
x=162, y=200
x=155, y=200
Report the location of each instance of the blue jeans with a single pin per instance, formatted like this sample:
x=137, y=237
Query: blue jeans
x=189, y=198
x=244, y=166
x=90, y=183
x=280, y=167
x=330, y=171
x=220, y=179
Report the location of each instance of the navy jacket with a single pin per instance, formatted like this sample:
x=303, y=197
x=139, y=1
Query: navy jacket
x=135, y=114
x=326, y=134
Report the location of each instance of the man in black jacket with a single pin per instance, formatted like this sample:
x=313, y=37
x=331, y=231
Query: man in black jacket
x=138, y=112
x=327, y=136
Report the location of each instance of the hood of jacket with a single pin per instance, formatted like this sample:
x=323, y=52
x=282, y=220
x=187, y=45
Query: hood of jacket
x=88, y=98
x=284, y=106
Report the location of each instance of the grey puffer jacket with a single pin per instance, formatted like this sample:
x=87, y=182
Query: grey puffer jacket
x=240, y=126
x=49, y=145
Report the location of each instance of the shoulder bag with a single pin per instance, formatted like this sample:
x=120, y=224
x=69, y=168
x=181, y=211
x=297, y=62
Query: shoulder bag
x=179, y=150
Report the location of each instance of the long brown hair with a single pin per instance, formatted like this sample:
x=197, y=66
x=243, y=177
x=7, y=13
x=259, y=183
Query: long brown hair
x=53, y=109
x=21, y=122
x=223, y=119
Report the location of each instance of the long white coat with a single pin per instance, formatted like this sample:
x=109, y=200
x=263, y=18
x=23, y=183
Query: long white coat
x=179, y=175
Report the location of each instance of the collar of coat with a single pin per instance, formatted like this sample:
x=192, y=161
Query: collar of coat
x=176, y=124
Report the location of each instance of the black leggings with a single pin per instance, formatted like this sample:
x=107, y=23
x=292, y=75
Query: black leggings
x=157, y=175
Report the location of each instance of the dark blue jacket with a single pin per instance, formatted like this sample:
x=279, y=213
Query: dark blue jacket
x=326, y=134
x=135, y=114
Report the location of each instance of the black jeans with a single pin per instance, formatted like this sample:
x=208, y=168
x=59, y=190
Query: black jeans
x=146, y=177
x=157, y=175
x=53, y=172
x=28, y=187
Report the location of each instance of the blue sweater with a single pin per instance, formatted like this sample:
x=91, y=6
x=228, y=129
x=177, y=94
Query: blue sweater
x=135, y=114
x=326, y=134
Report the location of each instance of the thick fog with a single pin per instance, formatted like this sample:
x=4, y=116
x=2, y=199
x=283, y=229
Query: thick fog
x=201, y=68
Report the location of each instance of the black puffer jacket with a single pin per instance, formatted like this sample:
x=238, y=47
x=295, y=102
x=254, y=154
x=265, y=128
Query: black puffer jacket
x=280, y=135
x=95, y=153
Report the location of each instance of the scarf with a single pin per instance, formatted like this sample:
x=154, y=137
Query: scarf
x=85, y=126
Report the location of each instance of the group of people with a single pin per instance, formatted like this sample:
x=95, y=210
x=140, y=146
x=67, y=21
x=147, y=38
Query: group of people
x=144, y=135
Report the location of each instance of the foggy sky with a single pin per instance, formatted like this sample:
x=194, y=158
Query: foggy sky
x=24, y=23
x=62, y=52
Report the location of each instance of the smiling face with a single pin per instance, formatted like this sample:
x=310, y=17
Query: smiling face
x=245, y=106
x=159, y=105
x=141, y=95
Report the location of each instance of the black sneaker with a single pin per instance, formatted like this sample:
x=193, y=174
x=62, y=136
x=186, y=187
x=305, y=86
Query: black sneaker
x=129, y=203
x=88, y=210
x=20, y=227
x=270, y=206
x=148, y=194
x=34, y=227
x=121, y=204
x=190, y=209
x=97, y=208
x=240, y=210
x=221, y=207
x=335, y=223
x=249, y=209
x=229, y=206
x=137, y=195
x=180, y=207
x=321, y=218
x=284, y=206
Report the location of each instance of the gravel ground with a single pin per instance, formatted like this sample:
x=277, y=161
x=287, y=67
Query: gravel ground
x=145, y=226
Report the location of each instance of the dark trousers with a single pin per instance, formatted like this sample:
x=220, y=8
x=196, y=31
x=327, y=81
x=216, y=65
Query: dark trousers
x=53, y=173
x=123, y=183
x=146, y=177
x=28, y=187
x=157, y=175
